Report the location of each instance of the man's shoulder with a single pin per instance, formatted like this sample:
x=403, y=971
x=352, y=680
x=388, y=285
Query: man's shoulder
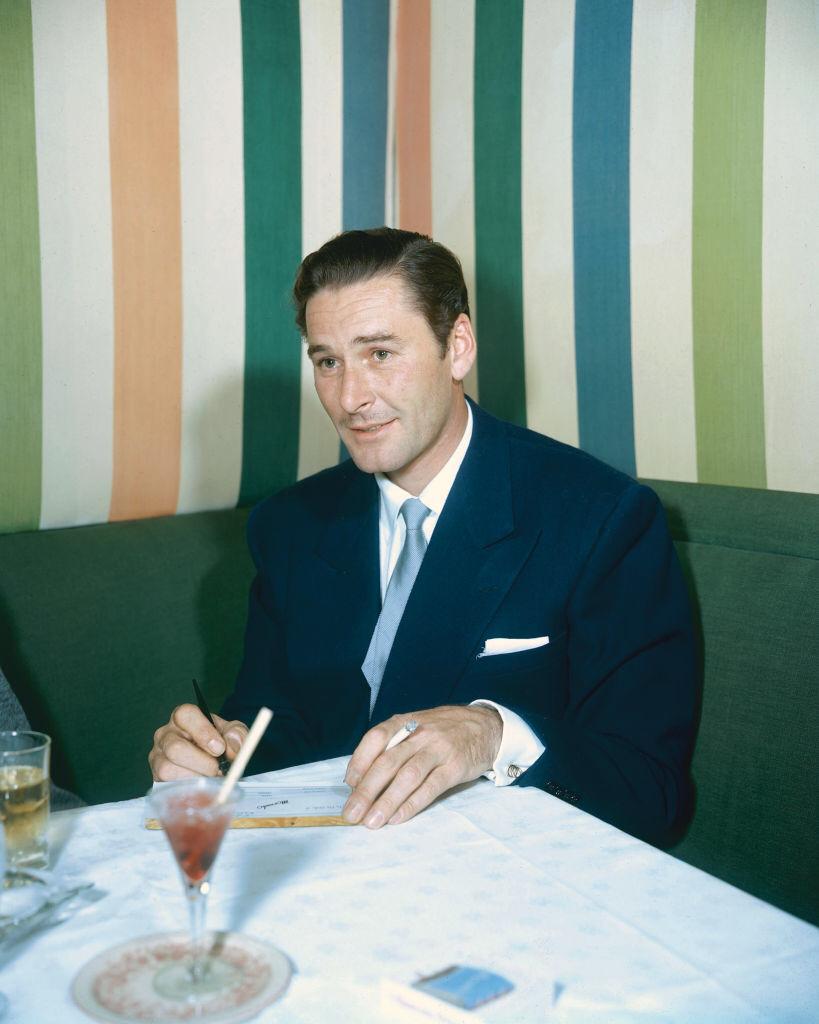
x=556, y=484
x=315, y=496
x=543, y=461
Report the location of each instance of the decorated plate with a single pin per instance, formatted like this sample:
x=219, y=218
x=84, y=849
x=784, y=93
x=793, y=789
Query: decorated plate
x=118, y=986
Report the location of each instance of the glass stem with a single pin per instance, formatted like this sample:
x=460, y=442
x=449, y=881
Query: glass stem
x=197, y=894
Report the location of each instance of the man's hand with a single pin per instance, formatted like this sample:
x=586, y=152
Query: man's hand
x=451, y=745
x=190, y=745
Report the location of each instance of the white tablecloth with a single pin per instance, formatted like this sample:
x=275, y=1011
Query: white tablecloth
x=511, y=880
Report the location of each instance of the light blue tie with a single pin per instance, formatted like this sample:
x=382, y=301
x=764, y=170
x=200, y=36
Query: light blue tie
x=398, y=591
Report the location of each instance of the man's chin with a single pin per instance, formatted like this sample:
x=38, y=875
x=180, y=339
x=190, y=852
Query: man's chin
x=370, y=460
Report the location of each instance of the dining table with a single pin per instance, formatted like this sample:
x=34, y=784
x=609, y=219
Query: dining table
x=585, y=922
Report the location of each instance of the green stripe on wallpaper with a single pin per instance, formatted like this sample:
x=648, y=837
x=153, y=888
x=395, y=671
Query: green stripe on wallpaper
x=20, y=311
x=272, y=148
x=729, y=72
x=498, y=248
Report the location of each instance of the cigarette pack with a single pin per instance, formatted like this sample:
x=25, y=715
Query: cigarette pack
x=450, y=996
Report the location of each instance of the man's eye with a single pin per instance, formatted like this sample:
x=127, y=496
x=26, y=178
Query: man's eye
x=381, y=355
x=327, y=363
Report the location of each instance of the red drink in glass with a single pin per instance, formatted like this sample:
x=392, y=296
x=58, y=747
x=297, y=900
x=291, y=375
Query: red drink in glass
x=195, y=824
x=195, y=828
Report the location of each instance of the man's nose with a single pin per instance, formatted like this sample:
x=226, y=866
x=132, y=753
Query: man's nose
x=355, y=389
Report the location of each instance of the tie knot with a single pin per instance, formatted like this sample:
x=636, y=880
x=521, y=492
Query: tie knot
x=414, y=513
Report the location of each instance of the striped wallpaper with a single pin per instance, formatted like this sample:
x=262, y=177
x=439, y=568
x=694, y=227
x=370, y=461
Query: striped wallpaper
x=630, y=184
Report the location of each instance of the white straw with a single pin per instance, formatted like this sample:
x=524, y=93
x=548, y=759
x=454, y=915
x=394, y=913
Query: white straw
x=245, y=753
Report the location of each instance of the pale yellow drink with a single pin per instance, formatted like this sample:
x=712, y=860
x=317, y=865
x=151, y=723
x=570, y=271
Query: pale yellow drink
x=24, y=812
x=24, y=798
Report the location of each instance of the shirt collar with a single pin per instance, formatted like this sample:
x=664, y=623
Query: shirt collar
x=436, y=492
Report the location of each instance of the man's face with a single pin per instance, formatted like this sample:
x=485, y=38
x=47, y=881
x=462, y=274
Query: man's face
x=395, y=401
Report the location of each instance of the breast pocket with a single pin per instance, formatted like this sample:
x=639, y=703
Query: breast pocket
x=532, y=660
x=534, y=681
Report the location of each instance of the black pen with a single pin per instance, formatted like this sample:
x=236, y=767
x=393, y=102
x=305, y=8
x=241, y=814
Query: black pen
x=224, y=764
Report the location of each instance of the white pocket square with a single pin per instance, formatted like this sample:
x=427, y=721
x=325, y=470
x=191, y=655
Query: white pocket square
x=511, y=645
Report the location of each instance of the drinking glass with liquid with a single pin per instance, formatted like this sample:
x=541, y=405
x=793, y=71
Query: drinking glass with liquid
x=24, y=797
x=4, y=1003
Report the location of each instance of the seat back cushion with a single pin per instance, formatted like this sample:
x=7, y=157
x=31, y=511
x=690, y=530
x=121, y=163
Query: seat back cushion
x=102, y=629
x=751, y=562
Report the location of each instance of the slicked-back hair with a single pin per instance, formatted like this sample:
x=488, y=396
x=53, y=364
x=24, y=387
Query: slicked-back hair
x=431, y=272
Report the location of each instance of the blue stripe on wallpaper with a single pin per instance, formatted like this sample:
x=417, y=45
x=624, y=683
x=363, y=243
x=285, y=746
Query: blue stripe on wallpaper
x=366, y=29
x=602, y=73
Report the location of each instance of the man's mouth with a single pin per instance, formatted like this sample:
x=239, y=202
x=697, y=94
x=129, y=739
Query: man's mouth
x=370, y=429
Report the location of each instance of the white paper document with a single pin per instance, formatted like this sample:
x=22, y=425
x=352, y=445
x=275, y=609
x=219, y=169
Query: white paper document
x=265, y=805
x=262, y=800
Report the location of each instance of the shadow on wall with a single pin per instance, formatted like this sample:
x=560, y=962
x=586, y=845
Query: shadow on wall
x=270, y=427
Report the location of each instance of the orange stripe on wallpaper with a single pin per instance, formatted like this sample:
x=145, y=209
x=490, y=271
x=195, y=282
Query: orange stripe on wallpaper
x=412, y=116
x=146, y=222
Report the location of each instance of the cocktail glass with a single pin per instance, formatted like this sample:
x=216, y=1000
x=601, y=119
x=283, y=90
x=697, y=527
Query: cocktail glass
x=194, y=823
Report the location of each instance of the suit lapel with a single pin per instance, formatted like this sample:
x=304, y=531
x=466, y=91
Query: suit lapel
x=473, y=558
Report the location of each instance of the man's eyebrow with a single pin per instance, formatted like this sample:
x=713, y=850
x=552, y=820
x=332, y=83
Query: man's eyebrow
x=361, y=339
x=368, y=339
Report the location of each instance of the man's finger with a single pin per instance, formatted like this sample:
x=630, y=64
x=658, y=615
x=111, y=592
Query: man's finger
x=412, y=781
x=173, y=756
x=405, y=762
x=189, y=719
x=234, y=734
x=436, y=783
x=372, y=745
x=164, y=770
x=417, y=783
x=179, y=751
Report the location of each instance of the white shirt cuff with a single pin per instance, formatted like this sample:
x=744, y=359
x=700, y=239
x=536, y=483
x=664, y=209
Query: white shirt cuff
x=519, y=748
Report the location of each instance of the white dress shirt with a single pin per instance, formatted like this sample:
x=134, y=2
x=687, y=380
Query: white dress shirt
x=519, y=747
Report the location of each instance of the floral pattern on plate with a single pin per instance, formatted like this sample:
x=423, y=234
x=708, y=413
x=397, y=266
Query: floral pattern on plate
x=117, y=986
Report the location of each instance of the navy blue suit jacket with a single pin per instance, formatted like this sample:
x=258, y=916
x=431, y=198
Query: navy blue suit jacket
x=536, y=539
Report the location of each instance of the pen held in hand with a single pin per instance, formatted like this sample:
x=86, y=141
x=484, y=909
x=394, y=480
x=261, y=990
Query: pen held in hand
x=224, y=763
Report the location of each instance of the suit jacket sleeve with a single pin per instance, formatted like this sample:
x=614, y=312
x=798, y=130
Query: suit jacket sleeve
x=623, y=746
x=287, y=740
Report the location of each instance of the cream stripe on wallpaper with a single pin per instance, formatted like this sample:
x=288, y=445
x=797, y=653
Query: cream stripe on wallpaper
x=74, y=185
x=546, y=194
x=790, y=247
x=213, y=279
x=453, y=180
x=321, y=183
x=662, y=90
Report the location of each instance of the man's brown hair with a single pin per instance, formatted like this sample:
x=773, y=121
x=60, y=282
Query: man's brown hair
x=432, y=273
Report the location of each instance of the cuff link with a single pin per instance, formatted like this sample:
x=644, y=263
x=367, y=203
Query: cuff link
x=514, y=771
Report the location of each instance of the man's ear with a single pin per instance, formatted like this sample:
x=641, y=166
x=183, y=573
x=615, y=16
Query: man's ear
x=463, y=349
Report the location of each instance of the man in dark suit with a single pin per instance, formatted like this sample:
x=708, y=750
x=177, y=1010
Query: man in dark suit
x=513, y=598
